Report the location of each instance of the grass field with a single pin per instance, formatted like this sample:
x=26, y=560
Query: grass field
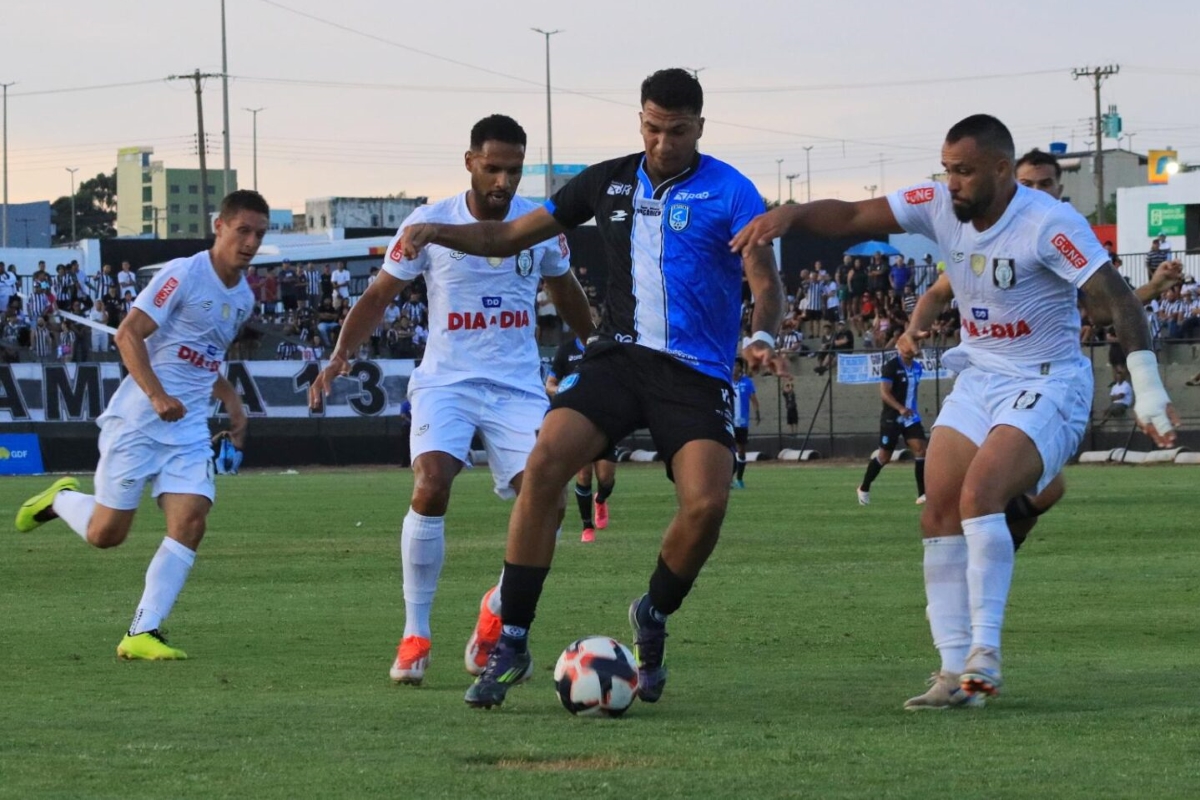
x=790, y=660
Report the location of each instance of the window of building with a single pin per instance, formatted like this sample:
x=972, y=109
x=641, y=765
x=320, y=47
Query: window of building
x=193, y=228
x=193, y=189
x=374, y=220
x=322, y=220
x=147, y=212
x=175, y=208
x=147, y=229
x=174, y=227
x=146, y=176
x=310, y=222
x=212, y=189
x=193, y=209
x=146, y=196
x=174, y=188
x=391, y=219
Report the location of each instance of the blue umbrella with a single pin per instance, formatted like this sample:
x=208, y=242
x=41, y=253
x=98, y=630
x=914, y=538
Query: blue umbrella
x=871, y=248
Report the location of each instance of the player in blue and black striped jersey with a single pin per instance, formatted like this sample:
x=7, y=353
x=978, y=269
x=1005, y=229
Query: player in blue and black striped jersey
x=744, y=398
x=899, y=380
x=661, y=358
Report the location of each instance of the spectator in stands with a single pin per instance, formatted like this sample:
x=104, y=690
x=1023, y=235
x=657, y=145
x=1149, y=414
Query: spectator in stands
x=10, y=328
x=8, y=285
x=1157, y=255
x=288, y=349
x=899, y=277
x=42, y=340
x=65, y=348
x=1190, y=297
x=327, y=321
x=99, y=314
x=908, y=300
x=305, y=319
x=791, y=340
x=858, y=282
x=1170, y=311
x=877, y=274
x=289, y=287
x=549, y=326
x=310, y=284
x=1120, y=397
x=415, y=307
x=832, y=293
x=270, y=295
x=326, y=284
x=341, y=282
x=105, y=280
x=127, y=279
x=841, y=339
x=313, y=351
x=400, y=337
x=420, y=338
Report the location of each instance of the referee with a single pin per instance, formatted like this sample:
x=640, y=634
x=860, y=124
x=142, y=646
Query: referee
x=899, y=380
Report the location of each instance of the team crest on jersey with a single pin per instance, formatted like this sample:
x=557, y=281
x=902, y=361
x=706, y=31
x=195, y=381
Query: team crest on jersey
x=1004, y=273
x=568, y=382
x=678, y=217
x=225, y=311
x=978, y=263
x=1026, y=400
x=525, y=263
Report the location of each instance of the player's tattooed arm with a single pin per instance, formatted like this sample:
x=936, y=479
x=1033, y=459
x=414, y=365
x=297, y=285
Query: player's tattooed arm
x=767, y=288
x=829, y=218
x=486, y=238
x=1111, y=298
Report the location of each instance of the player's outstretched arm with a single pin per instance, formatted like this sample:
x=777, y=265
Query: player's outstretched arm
x=224, y=391
x=1168, y=274
x=131, y=343
x=364, y=317
x=928, y=307
x=769, y=300
x=830, y=218
x=571, y=302
x=483, y=238
x=1108, y=293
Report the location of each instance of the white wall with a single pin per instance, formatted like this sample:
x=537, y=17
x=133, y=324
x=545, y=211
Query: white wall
x=1132, y=210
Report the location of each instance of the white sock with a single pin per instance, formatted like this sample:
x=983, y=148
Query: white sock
x=949, y=608
x=422, y=551
x=989, y=574
x=75, y=509
x=493, y=602
x=164, y=581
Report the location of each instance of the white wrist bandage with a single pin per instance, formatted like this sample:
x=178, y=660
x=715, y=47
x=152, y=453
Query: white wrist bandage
x=1150, y=399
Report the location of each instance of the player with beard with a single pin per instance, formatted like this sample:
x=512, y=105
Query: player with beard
x=480, y=370
x=1021, y=402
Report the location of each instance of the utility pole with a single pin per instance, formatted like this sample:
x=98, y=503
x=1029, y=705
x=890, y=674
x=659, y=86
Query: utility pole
x=4, y=236
x=198, y=76
x=72, y=170
x=255, y=111
x=549, y=126
x=1097, y=75
x=225, y=99
x=881, y=161
x=792, y=177
x=871, y=189
x=808, y=172
x=779, y=183
x=695, y=71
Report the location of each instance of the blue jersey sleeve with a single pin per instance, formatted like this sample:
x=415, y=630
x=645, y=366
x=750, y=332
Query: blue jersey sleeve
x=745, y=204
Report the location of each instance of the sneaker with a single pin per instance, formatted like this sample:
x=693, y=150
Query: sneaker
x=505, y=669
x=864, y=498
x=148, y=646
x=982, y=674
x=38, y=509
x=601, y=513
x=944, y=692
x=484, y=638
x=649, y=642
x=589, y=535
x=739, y=484
x=412, y=657
x=921, y=500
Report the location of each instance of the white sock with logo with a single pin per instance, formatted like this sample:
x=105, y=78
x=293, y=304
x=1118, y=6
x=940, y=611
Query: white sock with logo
x=422, y=551
x=948, y=606
x=165, y=577
x=75, y=509
x=989, y=575
x=493, y=601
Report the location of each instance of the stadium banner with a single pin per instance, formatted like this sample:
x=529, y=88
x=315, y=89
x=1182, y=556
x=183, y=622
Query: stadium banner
x=20, y=454
x=55, y=392
x=867, y=367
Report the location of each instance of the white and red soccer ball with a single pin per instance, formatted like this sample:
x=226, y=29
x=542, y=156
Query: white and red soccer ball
x=596, y=676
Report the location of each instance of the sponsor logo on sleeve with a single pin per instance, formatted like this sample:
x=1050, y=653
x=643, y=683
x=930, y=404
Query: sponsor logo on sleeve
x=396, y=253
x=563, y=249
x=164, y=294
x=618, y=189
x=915, y=197
x=1069, y=251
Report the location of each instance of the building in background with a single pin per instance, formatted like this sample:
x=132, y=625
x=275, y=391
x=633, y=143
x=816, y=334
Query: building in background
x=282, y=221
x=29, y=224
x=327, y=213
x=1171, y=210
x=1123, y=169
x=165, y=203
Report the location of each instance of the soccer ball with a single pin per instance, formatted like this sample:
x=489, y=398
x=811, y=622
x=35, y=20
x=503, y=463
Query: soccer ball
x=596, y=677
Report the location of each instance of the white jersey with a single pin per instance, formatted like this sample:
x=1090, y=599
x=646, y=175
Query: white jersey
x=1016, y=282
x=480, y=309
x=198, y=317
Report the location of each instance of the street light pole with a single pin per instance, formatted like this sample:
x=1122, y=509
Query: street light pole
x=72, y=170
x=4, y=235
x=549, y=125
x=255, y=111
x=225, y=100
x=779, y=182
x=792, y=177
x=808, y=172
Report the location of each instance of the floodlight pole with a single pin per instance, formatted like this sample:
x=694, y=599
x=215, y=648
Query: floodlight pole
x=549, y=125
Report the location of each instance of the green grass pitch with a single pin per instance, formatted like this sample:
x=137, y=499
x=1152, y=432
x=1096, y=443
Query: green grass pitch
x=789, y=661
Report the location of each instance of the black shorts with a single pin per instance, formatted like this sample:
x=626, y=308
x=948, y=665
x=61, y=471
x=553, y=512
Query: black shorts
x=289, y=302
x=624, y=387
x=892, y=431
x=741, y=435
x=793, y=416
x=831, y=315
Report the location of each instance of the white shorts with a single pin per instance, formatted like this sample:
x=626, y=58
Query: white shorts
x=1051, y=411
x=445, y=418
x=129, y=458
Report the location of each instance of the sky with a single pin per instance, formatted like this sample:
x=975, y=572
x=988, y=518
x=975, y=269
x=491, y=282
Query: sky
x=377, y=97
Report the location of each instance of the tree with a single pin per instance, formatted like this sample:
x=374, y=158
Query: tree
x=95, y=210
